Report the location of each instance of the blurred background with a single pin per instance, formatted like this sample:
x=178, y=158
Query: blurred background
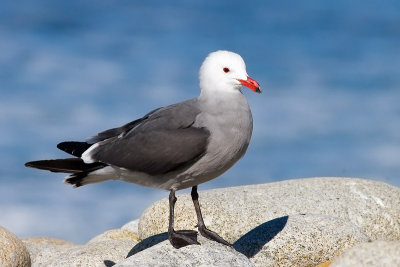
x=330, y=74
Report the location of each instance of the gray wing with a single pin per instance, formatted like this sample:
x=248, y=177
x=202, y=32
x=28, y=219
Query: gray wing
x=117, y=131
x=162, y=142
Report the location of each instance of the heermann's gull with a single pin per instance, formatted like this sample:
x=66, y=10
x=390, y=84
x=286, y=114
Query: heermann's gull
x=174, y=147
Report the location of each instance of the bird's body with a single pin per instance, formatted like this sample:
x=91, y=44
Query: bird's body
x=216, y=143
x=174, y=147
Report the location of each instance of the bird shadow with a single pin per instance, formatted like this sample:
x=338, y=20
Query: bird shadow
x=148, y=242
x=142, y=245
x=108, y=263
x=249, y=244
x=253, y=241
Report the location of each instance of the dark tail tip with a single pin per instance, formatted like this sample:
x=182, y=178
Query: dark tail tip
x=28, y=164
x=76, y=179
x=48, y=165
x=69, y=165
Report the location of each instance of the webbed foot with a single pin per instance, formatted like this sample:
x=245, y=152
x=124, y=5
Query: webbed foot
x=183, y=238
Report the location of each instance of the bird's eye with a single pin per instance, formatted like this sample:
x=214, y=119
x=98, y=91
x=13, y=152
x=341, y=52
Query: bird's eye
x=226, y=70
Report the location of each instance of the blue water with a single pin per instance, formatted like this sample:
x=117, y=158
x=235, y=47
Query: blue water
x=330, y=72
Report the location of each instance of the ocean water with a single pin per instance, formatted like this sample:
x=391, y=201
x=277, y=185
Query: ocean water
x=330, y=74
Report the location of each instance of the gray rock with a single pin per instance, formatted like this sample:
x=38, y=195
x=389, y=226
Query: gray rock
x=132, y=226
x=299, y=240
x=105, y=253
x=232, y=212
x=115, y=234
x=12, y=251
x=209, y=253
x=44, y=249
x=376, y=253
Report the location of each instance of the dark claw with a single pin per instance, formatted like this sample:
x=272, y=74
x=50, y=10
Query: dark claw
x=213, y=236
x=183, y=238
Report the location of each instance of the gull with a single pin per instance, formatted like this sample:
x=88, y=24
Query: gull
x=173, y=147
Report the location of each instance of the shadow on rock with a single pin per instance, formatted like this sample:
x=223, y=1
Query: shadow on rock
x=249, y=244
x=253, y=241
x=109, y=263
x=148, y=242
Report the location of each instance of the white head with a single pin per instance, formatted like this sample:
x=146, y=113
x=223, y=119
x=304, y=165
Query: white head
x=225, y=71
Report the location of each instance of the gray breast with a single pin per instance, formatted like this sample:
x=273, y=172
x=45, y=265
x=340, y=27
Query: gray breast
x=231, y=127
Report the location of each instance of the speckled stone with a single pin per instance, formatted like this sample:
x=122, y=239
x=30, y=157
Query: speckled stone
x=372, y=254
x=325, y=264
x=115, y=234
x=299, y=240
x=44, y=249
x=31, y=241
x=132, y=226
x=12, y=251
x=208, y=254
x=105, y=253
x=232, y=212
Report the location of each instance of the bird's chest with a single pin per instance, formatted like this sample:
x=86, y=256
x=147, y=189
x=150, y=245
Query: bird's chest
x=231, y=135
x=230, y=132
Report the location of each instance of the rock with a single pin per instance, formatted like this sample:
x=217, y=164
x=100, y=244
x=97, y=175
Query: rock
x=232, y=212
x=325, y=264
x=44, y=249
x=103, y=253
x=115, y=234
x=209, y=253
x=12, y=251
x=132, y=226
x=32, y=241
x=299, y=240
x=376, y=253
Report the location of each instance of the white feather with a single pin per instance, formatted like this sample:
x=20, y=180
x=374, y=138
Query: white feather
x=86, y=156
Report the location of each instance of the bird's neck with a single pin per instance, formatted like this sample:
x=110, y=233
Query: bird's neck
x=222, y=101
x=210, y=95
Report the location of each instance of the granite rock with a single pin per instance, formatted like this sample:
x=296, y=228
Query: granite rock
x=376, y=253
x=132, y=226
x=44, y=249
x=374, y=206
x=115, y=234
x=103, y=253
x=299, y=240
x=324, y=264
x=157, y=251
x=12, y=251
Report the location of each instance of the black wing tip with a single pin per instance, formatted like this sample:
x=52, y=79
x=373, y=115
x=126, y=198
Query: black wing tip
x=64, y=144
x=61, y=145
x=74, y=148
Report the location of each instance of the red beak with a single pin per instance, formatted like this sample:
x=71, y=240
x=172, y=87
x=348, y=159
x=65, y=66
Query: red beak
x=252, y=84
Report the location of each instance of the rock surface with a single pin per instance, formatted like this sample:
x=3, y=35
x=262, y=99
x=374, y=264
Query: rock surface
x=325, y=264
x=209, y=253
x=44, y=249
x=299, y=240
x=132, y=226
x=104, y=253
x=115, y=234
x=303, y=222
x=12, y=251
x=232, y=212
x=377, y=253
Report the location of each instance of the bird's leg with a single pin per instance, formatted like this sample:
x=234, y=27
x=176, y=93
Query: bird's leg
x=201, y=226
x=180, y=238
